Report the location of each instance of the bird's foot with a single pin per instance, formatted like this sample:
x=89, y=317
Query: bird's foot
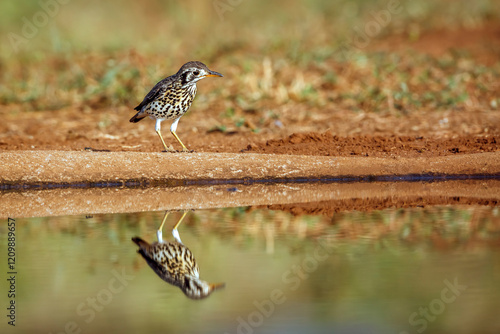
x=169, y=149
x=176, y=151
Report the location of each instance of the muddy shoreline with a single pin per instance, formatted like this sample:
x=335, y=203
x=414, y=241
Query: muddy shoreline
x=70, y=167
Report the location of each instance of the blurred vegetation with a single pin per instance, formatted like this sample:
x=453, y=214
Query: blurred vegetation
x=105, y=54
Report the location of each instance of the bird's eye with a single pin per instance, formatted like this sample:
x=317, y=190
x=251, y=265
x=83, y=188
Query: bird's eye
x=196, y=73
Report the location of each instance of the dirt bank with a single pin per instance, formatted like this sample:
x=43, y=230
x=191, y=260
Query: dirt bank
x=33, y=167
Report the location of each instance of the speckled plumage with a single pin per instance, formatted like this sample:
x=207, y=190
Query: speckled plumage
x=171, y=97
x=175, y=263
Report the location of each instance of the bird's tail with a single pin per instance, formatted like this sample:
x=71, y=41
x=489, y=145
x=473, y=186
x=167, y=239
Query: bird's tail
x=141, y=243
x=137, y=117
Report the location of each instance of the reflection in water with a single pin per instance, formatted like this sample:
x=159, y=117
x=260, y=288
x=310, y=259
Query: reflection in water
x=175, y=263
x=386, y=272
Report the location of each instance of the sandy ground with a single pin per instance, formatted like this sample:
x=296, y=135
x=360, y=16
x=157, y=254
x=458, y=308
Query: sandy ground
x=28, y=168
x=336, y=132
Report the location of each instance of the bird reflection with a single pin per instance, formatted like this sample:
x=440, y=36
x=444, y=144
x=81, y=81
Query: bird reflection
x=175, y=263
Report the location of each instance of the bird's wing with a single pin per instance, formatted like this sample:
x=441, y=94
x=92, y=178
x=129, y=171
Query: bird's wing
x=155, y=92
x=159, y=269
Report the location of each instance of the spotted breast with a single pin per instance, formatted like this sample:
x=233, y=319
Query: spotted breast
x=172, y=103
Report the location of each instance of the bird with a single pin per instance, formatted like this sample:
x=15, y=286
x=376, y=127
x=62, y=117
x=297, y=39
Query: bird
x=175, y=263
x=171, y=98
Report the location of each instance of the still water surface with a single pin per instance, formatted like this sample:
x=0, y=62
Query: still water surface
x=413, y=270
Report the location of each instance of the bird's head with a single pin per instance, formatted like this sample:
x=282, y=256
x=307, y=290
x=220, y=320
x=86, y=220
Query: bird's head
x=194, y=71
x=196, y=288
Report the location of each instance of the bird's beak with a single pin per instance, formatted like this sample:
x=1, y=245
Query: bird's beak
x=213, y=74
x=216, y=286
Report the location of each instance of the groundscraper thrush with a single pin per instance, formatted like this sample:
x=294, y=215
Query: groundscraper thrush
x=174, y=263
x=171, y=97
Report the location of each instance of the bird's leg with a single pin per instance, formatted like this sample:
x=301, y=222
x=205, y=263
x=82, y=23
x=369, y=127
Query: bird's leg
x=159, y=233
x=175, y=233
x=157, y=129
x=172, y=130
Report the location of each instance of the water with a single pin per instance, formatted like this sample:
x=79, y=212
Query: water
x=388, y=271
